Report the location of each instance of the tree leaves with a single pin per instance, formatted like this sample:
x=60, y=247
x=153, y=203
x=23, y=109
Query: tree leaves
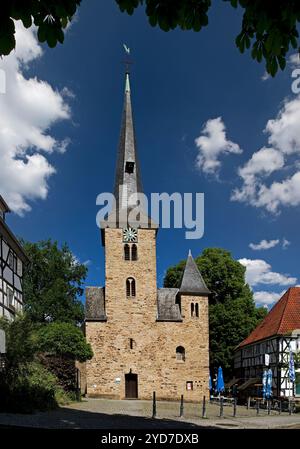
x=52, y=283
x=269, y=29
x=51, y=17
x=7, y=35
x=63, y=339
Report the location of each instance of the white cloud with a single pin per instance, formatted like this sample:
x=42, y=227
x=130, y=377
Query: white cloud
x=284, y=129
x=264, y=244
x=267, y=244
x=266, y=76
x=28, y=109
x=213, y=143
x=263, y=298
x=285, y=243
x=284, y=140
x=258, y=271
x=294, y=60
x=284, y=193
x=76, y=261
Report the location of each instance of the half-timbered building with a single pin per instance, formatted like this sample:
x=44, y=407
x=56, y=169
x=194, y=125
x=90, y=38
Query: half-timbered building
x=269, y=345
x=12, y=260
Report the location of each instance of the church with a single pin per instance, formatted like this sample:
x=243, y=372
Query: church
x=144, y=338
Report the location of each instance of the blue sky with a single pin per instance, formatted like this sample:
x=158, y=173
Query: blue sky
x=180, y=81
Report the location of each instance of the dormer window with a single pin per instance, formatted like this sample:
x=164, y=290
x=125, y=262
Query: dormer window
x=129, y=167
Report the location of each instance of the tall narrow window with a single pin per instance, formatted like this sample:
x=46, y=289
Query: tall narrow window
x=126, y=252
x=134, y=252
x=133, y=287
x=197, y=310
x=130, y=287
x=180, y=353
x=192, y=309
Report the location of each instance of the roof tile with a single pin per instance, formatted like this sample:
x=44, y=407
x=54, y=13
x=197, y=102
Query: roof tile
x=283, y=318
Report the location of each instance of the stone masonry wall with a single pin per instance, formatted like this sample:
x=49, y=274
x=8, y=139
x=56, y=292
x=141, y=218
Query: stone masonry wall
x=153, y=357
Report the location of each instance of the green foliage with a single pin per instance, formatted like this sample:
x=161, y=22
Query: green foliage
x=53, y=280
x=37, y=390
x=20, y=345
x=63, y=339
x=28, y=384
x=232, y=312
x=224, y=276
x=269, y=28
x=49, y=16
x=34, y=391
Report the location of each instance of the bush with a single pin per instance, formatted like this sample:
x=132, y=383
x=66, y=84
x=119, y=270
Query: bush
x=63, y=339
x=62, y=368
x=39, y=390
x=26, y=384
x=36, y=391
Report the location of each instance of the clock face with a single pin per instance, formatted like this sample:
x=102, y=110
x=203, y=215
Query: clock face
x=129, y=235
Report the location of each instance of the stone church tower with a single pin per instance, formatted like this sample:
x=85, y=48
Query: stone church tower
x=144, y=339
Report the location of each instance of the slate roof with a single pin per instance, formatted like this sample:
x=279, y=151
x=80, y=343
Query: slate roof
x=283, y=318
x=132, y=182
x=167, y=307
x=127, y=152
x=95, y=304
x=192, y=281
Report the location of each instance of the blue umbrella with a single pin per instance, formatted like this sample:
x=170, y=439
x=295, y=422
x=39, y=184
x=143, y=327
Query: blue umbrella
x=264, y=383
x=269, y=384
x=292, y=374
x=210, y=384
x=220, y=381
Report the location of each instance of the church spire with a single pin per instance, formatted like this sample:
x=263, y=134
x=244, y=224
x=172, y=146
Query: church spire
x=192, y=282
x=128, y=178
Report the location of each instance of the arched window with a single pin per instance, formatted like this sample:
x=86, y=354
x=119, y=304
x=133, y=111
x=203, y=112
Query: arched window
x=192, y=308
x=126, y=252
x=134, y=252
x=130, y=287
x=180, y=353
x=197, y=310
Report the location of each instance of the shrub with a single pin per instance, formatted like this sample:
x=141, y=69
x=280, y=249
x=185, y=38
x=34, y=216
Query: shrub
x=34, y=391
x=63, y=339
x=62, y=368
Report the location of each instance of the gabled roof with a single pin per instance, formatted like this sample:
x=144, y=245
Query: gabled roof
x=192, y=281
x=283, y=318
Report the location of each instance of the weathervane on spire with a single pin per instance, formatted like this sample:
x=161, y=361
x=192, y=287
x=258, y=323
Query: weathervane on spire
x=128, y=60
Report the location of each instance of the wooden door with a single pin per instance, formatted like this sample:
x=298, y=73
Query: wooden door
x=131, y=386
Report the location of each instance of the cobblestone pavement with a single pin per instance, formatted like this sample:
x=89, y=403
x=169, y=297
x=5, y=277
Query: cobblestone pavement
x=133, y=414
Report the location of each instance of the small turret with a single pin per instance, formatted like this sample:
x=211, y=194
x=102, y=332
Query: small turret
x=192, y=282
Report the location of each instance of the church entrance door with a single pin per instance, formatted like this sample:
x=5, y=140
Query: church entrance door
x=131, y=386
